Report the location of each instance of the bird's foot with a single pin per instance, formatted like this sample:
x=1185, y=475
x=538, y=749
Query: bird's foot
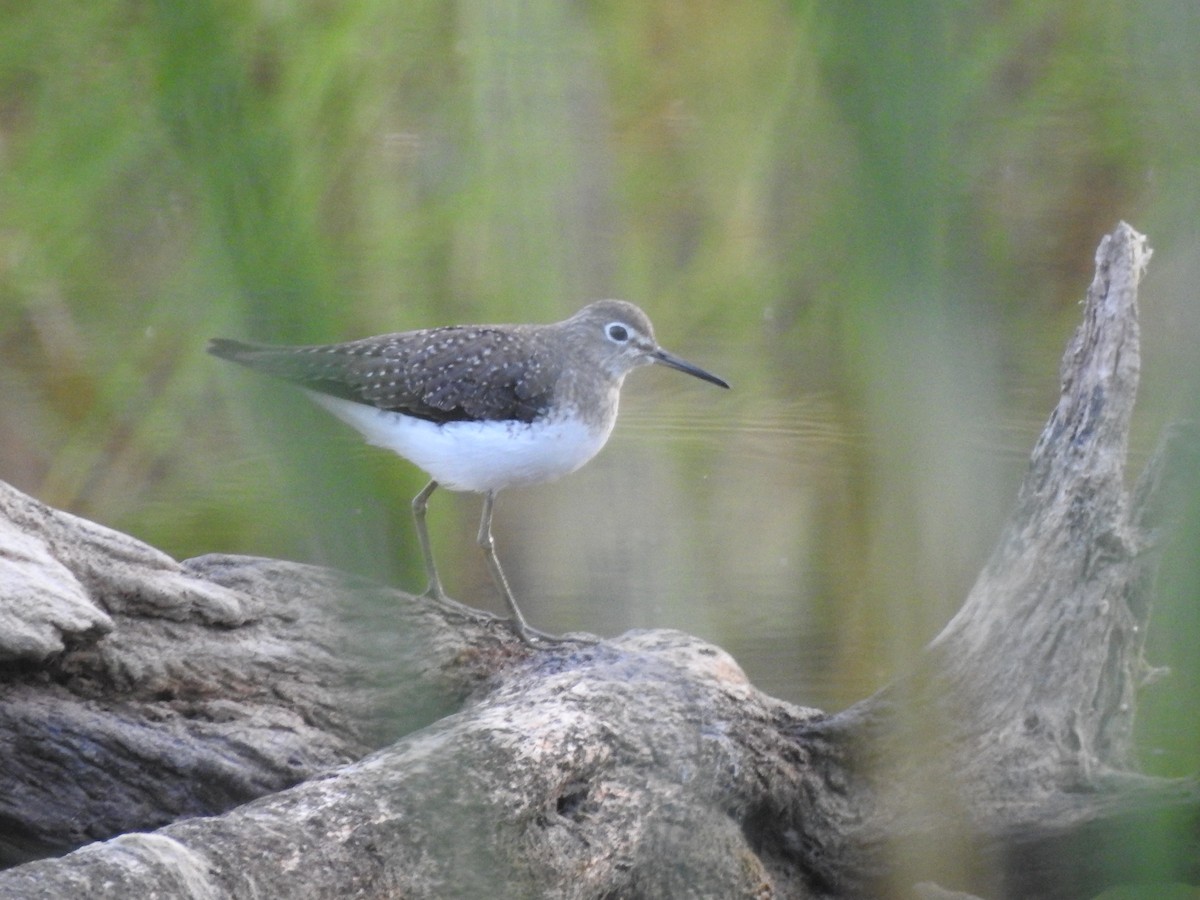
x=542, y=641
x=435, y=592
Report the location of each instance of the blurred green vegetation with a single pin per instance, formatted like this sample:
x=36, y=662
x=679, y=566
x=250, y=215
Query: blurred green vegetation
x=880, y=216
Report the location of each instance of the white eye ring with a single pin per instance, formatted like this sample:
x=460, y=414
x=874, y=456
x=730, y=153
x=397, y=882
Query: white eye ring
x=616, y=332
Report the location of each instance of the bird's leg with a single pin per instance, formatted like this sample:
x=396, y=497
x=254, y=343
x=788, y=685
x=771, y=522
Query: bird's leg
x=530, y=636
x=419, y=503
x=524, y=632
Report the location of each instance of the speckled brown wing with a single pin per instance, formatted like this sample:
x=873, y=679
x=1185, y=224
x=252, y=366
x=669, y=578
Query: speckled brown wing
x=455, y=374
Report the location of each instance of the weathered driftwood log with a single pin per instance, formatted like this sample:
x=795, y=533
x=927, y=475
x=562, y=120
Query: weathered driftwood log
x=137, y=691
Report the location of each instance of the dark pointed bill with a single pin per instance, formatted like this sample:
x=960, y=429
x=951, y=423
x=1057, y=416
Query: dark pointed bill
x=667, y=359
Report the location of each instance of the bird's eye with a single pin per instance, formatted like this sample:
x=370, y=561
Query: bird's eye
x=618, y=332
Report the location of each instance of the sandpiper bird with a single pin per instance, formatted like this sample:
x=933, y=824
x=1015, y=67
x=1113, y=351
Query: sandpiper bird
x=478, y=407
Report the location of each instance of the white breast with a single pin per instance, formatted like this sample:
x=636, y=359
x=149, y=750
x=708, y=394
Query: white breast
x=477, y=456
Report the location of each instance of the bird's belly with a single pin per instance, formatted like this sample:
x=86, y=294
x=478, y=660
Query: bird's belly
x=477, y=456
